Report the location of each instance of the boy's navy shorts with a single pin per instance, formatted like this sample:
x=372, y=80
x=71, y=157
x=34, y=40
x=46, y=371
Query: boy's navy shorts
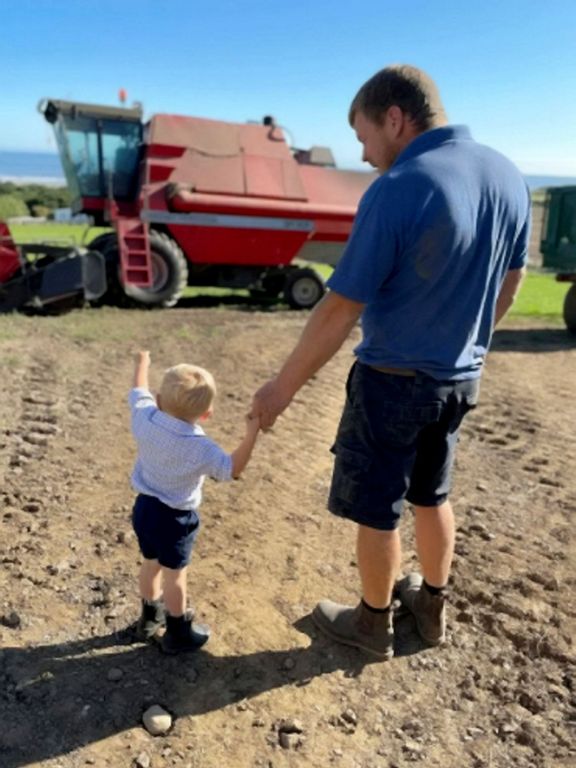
x=164, y=534
x=396, y=440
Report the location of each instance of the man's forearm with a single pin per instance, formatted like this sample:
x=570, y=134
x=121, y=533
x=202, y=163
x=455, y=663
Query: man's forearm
x=328, y=326
x=327, y=329
x=508, y=293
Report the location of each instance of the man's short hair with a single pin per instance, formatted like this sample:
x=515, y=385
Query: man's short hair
x=404, y=86
x=187, y=392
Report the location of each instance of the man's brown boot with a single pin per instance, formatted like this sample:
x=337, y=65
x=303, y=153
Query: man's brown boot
x=371, y=631
x=429, y=610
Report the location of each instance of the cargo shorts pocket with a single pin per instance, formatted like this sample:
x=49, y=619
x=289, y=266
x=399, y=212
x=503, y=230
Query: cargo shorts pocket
x=350, y=478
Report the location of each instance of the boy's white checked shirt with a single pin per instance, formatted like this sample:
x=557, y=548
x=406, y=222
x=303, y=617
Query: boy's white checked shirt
x=174, y=457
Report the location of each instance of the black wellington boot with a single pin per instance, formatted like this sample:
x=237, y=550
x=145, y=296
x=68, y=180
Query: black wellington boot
x=152, y=618
x=183, y=635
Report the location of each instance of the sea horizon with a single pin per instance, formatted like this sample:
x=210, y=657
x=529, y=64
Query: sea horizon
x=44, y=168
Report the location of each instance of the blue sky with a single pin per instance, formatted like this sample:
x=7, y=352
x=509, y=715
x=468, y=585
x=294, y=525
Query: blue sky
x=507, y=68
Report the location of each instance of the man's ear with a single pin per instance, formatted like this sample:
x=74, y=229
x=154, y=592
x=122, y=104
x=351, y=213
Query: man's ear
x=396, y=118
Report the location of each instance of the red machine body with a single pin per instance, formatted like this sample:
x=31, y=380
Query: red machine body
x=9, y=255
x=234, y=204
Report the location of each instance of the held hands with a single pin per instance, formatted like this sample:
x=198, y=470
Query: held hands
x=269, y=402
x=252, y=424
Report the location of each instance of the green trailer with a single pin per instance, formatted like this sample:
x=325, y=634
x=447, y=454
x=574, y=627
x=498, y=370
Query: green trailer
x=558, y=244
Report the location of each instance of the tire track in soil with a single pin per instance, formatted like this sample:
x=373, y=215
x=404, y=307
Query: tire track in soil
x=508, y=591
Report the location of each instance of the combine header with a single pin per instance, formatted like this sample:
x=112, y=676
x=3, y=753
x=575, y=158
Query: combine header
x=38, y=275
x=193, y=201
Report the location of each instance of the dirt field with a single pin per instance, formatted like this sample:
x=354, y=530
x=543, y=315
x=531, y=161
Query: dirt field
x=73, y=686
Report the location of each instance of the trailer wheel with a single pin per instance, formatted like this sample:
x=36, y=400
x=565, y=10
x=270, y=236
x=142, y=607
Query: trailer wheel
x=570, y=309
x=303, y=289
x=169, y=274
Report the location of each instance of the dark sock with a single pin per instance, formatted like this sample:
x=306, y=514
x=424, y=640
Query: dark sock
x=375, y=610
x=434, y=590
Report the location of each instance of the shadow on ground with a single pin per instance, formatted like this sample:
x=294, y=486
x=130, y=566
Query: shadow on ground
x=532, y=340
x=73, y=685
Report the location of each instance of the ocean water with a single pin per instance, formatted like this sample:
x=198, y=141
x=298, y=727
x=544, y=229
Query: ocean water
x=31, y=167
x=45, y=168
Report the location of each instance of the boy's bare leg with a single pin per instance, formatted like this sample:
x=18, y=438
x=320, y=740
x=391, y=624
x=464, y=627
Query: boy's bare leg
x=434, y=530
x=150, y=580
x=174, y=588
x=379, y=555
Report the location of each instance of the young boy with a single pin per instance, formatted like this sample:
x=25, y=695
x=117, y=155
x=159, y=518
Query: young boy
x=174, y=457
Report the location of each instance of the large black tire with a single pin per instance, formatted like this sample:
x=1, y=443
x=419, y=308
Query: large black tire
x=570, y=309
x=303, y=289
x=169, y=272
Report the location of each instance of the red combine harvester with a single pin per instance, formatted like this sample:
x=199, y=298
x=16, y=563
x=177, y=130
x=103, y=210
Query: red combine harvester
x=201, y=202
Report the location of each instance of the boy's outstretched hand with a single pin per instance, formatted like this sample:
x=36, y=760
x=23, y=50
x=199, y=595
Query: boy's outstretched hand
x=141, y=367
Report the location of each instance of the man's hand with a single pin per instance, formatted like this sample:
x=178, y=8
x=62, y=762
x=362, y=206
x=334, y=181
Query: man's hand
x=269, y=402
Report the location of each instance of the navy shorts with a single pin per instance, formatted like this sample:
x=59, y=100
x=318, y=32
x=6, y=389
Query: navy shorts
x=164, y=534
x=396, y=440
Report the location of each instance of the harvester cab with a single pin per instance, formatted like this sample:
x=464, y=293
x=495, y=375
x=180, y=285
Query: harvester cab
x=193, y=201
x=100, y=150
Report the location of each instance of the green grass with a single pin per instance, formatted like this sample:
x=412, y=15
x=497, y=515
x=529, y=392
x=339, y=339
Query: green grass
x=540, y=296
x=55, y=233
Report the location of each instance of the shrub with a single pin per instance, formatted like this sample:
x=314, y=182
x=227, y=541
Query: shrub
x=40, y=211
x=12, y=205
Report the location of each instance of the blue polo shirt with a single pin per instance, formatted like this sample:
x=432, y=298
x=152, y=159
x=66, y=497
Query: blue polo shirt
x=431, y=244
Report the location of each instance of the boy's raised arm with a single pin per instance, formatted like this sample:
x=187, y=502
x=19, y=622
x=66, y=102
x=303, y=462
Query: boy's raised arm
x=141, y=368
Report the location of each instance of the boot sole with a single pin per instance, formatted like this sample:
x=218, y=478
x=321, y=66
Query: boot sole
x=318, y=619
x=176, y=651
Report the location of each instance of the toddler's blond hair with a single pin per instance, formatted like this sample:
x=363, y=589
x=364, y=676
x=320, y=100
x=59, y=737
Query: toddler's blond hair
x=187, y=392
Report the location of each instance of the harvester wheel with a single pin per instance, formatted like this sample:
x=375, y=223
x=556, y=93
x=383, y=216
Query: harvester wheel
x=303, y=289
x=570, y=309
x=169, y=274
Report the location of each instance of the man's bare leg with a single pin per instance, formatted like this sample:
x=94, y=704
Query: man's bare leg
x=434, y=530
x=368, y=625
x=379, y=557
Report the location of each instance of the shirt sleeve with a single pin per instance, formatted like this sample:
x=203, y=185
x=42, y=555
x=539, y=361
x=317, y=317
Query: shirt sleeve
x=142, y=406
x=371, y=252
x=214, y=462
x=522, y=244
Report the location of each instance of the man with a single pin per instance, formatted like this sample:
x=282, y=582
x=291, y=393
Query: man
x=434, y=261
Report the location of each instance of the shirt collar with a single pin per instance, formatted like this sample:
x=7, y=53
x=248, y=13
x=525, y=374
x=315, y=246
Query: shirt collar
x=432, y=139
x=176, y=426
